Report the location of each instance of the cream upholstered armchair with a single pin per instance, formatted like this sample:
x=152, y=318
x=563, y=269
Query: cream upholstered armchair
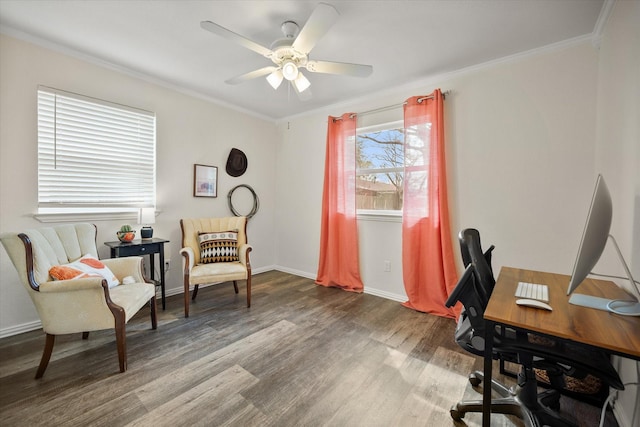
x=89, y=294
x=215, y=250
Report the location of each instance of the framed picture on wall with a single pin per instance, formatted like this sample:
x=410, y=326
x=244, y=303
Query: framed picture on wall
x=205, y=181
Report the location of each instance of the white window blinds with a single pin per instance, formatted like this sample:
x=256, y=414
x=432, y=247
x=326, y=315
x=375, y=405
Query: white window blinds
x=94, y=154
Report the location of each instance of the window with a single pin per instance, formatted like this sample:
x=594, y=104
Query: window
x=380, y=169
x=93, y=155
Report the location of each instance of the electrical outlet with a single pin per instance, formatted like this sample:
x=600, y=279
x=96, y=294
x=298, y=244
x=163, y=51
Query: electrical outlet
x=387, y=266
x=167, y=264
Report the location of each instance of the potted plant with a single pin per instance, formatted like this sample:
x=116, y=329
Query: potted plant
x=126, y=233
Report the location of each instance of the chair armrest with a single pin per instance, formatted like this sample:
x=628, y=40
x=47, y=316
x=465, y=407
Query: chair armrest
x=125, y=266
x=243, y=253
x=74, y=285
x=189, y=258
x=81, y=305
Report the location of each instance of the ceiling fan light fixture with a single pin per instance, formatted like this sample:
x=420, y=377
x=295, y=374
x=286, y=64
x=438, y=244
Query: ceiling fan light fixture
x=301, y=82
x=291, y=53
x=275, y=78
x=289, y=70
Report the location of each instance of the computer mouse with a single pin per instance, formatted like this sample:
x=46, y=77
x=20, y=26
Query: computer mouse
x=534, y=303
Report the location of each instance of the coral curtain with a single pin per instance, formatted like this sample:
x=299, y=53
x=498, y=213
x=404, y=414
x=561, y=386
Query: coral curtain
x=429, y=271
x=339, y=264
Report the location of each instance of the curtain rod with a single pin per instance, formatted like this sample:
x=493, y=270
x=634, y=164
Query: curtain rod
x=391, y=107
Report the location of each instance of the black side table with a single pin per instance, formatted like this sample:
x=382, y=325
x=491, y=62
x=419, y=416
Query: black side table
x=142, y=247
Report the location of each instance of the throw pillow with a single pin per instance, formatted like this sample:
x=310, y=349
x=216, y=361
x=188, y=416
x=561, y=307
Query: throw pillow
x=219, y=246
x=87, y=266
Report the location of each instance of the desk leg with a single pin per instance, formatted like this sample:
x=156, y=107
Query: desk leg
x=488, y=366
x=162, y=274
x=152, y=266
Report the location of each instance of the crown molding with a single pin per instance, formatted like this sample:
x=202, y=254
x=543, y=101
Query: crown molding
x=436, y=79
x=605, y=13
x=56, y=47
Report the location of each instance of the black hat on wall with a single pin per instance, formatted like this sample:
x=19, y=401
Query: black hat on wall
x=236, y=163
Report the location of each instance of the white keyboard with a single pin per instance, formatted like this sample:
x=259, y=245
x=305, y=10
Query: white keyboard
x=533, y=291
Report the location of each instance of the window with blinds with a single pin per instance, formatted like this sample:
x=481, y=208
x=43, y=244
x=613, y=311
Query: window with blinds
x=94, y=155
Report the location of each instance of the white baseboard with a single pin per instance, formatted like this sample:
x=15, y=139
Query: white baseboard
x=385, y=294
x=19, y=329
x=263, y=269
x=300, y=273
x=367, y=290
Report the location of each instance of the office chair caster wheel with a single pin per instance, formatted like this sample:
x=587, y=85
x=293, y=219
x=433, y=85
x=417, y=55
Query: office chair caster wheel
x=474, y=380
x=455, y=414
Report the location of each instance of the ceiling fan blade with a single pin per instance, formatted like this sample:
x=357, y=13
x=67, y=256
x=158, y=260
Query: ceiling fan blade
x=305, y=95
x=321, y=19
x=251, y=75
x=230, y=35
x=328, y=67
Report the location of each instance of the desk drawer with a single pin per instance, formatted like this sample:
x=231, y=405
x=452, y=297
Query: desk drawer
x=151, y=248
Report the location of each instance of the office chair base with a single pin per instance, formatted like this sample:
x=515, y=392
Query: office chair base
x=505, y=405
x=476, y=378
x=535, y=409
x=537, y=416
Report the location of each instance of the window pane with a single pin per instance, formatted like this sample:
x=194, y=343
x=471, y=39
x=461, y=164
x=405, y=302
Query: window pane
x=377, y=192
x=380, y=168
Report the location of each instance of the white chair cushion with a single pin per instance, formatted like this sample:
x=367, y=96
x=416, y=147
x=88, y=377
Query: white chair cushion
x=217, y=272
x=132, y=297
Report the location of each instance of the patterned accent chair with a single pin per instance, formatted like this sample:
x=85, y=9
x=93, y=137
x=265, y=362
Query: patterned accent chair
x=197, y=273
x=81, y=304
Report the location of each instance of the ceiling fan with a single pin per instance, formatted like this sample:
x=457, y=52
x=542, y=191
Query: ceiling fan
x=291, y=53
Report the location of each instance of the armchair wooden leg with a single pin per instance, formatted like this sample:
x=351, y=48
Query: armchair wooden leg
x=154, y=318
x=195, y=292
x=121, y=341
x=186, y=296
x=46, y=355
x=235, y=286
x=120, y=325
x=249, y=291
x=85, y=335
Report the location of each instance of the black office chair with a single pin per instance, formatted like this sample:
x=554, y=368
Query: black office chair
x=523, y=400
x=469, y=239
x=565, y=379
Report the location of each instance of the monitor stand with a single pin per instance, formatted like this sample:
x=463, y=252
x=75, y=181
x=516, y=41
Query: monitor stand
x=624, y=308
x=621, y=307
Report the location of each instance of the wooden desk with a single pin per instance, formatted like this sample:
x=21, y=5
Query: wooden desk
x=143, y=247
x=617, y=334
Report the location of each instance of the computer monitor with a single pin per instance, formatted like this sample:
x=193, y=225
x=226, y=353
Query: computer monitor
x=594, y=236
x=592, y=244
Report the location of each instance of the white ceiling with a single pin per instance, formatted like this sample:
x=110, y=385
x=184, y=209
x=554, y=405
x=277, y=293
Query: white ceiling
x=403, y=40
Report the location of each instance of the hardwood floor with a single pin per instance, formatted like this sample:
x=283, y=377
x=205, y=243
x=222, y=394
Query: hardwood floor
x=302, y=355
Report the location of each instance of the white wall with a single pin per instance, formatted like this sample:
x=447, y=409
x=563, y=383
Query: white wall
x=618, y=158
x=189, y=130
x=520, y=137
